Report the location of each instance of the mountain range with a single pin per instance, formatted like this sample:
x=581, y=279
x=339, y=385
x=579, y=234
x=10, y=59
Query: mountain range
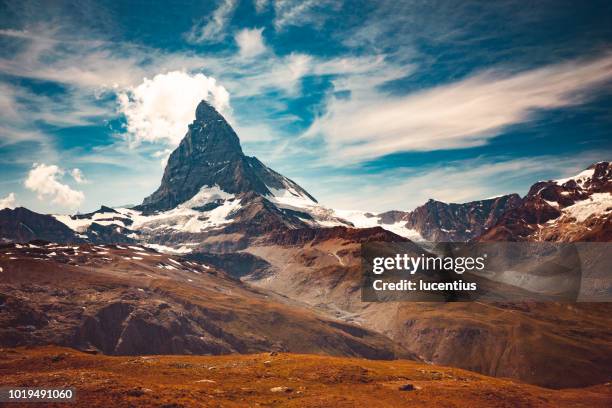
x=211, y=189
x=228, y=255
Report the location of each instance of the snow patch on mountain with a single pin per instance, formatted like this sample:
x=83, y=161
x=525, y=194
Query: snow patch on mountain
x=400, y=229
x=207, y=195
x=579, y=178
x=596, y=204
x=186, y=219
x=290, y=198
x=80, y=224
x=362, y=219
x=169, y=250
x=359, y=219
x=77, y=225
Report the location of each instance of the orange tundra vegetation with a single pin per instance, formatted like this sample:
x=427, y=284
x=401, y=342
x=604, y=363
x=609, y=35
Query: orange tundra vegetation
x=273, y=380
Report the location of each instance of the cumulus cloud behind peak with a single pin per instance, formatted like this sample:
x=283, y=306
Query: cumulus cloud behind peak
x=159, y=109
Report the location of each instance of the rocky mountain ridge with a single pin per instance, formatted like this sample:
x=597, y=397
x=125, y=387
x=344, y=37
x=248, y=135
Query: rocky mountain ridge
x=574, y=209
x=437, y=221
x=23, y=225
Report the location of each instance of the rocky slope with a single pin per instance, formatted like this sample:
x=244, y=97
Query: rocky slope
x=119, y=298
x=133, y=301
x=102, y=226
x=518, y=340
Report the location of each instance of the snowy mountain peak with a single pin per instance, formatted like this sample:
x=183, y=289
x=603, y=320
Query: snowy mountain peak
x=210, y=155
x=601, y=171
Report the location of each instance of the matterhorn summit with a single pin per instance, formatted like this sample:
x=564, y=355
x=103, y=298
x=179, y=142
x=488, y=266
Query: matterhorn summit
x=210, y=155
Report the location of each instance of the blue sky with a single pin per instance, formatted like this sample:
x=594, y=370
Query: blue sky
x=368, y=105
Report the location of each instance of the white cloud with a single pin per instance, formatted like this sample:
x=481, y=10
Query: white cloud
x=261, y=5
x=8, y=202
x=463, y=114
x=286, y=73
x=163, y=156
x=78, y=176
x=212, y=29
x=159, y=109
x=302, y=12
x=93, y=65
x=44, y=181
x=250, y=42
x=9, y=106
x=84, y=63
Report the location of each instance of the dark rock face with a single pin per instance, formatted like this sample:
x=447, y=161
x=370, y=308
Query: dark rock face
x=123, y=329
x=104, y=329
x=301, y=236
x=237, y=264
x=116, y=233
x=108, y=234
x=542, y=215
x=259, y=216
x=390, y=217
x=210, y=154
x=23, y=225
x=103, y=210
x=441, y=222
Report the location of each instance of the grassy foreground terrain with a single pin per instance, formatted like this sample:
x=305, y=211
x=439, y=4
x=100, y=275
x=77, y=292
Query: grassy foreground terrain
x=273, y=380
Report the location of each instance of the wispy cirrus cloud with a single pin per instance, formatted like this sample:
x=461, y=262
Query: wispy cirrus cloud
x=213, y=27
x=87, y=68
x=454, y=181
x=302, y=12
x=45, y=55
x=97, y=65
x=26, y=118
x=466, y=113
